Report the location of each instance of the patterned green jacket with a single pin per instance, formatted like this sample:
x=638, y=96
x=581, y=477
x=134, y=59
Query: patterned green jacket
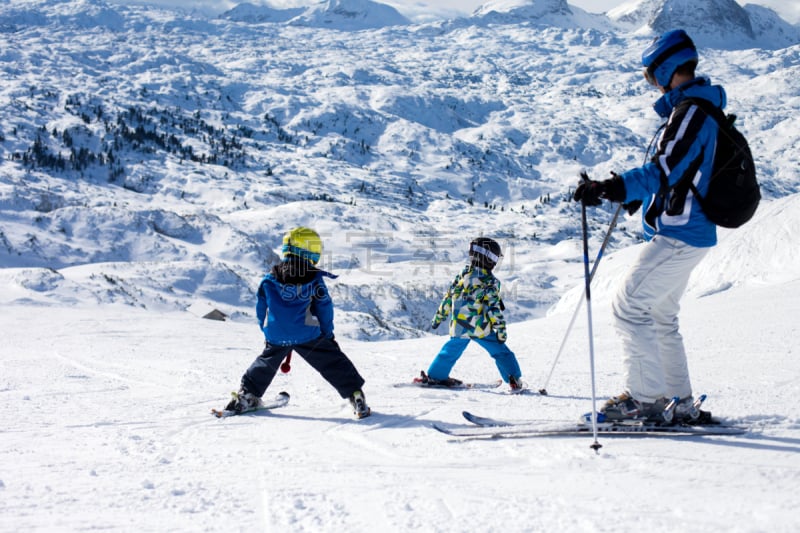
x=473, y=305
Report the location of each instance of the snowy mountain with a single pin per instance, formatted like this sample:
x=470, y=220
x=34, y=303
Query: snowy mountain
x=546, y=13
x=344, y=15
x=714, y=23
x=545, y=10
x=247, y=12
x=349, y=15
x=155, y=158
x=771, y=30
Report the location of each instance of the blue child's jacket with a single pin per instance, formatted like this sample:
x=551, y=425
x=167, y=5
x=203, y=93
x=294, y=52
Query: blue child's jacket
x=293, y=304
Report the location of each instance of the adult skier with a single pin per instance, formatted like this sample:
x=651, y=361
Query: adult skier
x=679, y=235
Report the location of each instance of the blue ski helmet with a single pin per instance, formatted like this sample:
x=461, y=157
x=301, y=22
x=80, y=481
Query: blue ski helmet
x=666, y=54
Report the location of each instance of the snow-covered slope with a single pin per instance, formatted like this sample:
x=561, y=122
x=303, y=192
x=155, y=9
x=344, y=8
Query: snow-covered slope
x=750, y=257
x=107, y=424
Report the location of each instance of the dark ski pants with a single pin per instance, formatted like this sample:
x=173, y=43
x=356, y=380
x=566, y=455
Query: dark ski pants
x=324, y=356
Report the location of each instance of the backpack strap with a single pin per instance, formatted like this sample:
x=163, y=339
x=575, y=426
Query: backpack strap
x=723, y=122
x=711, y=110
x=670, y=198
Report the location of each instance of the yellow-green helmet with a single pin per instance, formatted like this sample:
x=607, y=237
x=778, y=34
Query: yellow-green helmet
x=302, y=242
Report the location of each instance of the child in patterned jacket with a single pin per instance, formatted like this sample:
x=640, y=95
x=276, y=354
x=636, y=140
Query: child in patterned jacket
x=475, y=311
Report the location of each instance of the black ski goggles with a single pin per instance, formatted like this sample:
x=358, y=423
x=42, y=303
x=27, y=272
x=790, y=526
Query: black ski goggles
x=650, y=77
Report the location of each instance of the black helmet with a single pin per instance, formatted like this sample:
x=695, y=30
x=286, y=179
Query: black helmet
x=484, y=253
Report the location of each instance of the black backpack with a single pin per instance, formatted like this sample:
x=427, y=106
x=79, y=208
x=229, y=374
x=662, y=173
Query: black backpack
x=733, y=192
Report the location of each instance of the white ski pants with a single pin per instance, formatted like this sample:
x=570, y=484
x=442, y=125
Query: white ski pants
x=646, y=317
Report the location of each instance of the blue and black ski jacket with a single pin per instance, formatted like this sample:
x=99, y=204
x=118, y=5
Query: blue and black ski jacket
x=293, y=304
x=685, y=151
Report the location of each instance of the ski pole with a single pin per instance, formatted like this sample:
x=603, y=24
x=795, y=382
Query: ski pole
x=596, y=445
x=543, y=390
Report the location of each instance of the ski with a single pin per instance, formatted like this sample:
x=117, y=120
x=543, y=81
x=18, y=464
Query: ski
x=543, y=429
x=698, y=423
x=279, y=401
x=492, y=427
x=510, y=391
x=696, y=416
x=489, y=422
x=450, y=383
x=460, y=386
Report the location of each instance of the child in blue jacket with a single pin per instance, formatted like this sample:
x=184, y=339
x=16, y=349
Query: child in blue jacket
x=295, y=313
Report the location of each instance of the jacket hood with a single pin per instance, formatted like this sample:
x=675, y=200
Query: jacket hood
x=699, y=87
x=297, y=271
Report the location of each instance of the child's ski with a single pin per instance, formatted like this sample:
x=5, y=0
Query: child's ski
x=456, y=386
x=279, y=401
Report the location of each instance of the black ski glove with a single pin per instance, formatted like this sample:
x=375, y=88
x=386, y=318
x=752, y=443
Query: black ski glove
x=632, y=206
x=591, y=193
x=615, y=189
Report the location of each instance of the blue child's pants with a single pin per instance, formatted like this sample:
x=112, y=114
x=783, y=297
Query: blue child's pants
x=504, y=358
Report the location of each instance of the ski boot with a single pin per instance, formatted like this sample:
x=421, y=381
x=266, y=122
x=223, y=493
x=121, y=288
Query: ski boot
x=427, y=380
x=516, y=385
x=243, y=401
x=687, y=411
x=625, y=407
x=359, y=403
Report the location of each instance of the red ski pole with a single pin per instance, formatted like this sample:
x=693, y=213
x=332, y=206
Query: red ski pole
x=286, y=365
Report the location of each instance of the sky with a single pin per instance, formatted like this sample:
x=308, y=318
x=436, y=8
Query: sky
x=788, y=9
